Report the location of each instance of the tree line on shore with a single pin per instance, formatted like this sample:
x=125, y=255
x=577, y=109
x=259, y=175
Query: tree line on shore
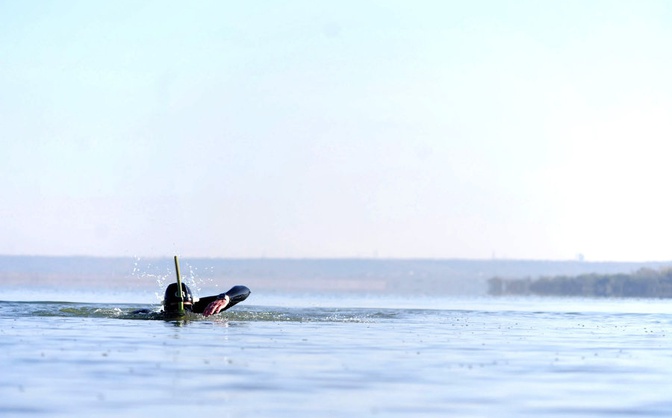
x=645, y=283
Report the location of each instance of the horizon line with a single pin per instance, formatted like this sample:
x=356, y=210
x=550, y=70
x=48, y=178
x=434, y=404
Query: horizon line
x=327, y=258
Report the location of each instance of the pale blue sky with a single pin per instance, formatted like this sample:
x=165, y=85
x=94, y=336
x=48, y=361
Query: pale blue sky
x=434, y=129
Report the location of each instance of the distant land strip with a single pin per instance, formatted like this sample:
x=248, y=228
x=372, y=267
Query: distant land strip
x=430, y=277
x=643, y=283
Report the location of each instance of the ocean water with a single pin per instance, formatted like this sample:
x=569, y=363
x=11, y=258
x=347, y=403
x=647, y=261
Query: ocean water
x=319, y=355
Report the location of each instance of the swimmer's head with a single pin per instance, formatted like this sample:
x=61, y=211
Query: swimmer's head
x=171, y=299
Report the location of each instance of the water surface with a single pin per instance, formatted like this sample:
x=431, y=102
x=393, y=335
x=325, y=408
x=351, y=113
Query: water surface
x=313, y=355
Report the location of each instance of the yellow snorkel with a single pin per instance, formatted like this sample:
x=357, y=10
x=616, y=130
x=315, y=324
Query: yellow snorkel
x=180, y=304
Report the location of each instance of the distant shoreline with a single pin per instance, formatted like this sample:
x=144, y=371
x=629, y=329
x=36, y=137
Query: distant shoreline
x=643, y=283
x=371, y=275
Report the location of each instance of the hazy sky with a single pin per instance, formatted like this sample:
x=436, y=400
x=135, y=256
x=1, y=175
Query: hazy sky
x=434, y=129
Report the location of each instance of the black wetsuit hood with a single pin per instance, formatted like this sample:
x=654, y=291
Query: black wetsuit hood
x=171, y=298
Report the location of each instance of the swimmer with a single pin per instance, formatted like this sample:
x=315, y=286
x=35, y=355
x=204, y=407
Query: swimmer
x=209, y=305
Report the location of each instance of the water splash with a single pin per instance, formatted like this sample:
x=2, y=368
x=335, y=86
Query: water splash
x=163, y=275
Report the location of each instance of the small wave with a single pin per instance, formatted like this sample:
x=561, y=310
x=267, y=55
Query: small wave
x=242, y=314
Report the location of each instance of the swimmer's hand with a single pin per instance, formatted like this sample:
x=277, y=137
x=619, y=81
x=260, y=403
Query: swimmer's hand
x=216, y=306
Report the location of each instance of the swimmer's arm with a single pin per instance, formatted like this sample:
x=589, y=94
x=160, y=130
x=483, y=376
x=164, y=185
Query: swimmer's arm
x=232, y=297
x=202, y=304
